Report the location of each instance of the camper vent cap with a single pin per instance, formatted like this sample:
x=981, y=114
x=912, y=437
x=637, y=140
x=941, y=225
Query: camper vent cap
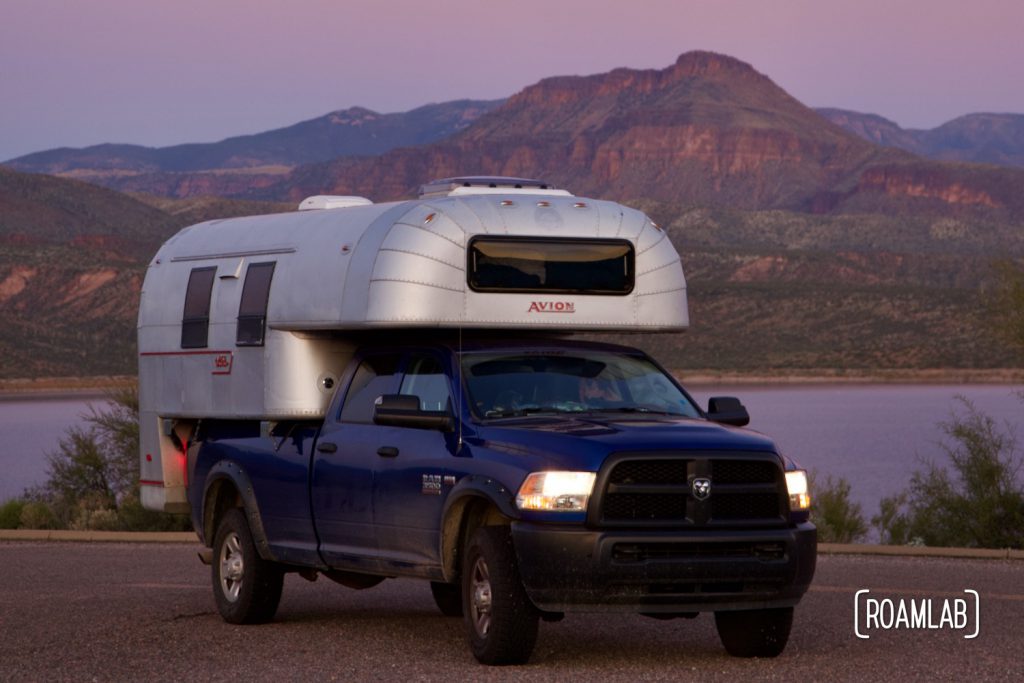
x=454, y=187
x=331, y=201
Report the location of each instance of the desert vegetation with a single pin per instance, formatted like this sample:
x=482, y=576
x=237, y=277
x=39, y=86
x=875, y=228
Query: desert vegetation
x=93, y=478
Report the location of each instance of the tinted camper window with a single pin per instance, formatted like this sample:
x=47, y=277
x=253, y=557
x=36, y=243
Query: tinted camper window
x=252, y=311
x=195, y=321
x=511, y=264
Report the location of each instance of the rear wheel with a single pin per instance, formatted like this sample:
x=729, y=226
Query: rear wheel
x=755, y=633
x=500, y=619
x=246, y=587
x=448, y=597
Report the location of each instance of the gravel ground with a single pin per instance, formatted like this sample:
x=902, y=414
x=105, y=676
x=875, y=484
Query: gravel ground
x=118, y=612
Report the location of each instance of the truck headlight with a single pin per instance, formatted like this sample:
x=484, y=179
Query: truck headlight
x=556, y=491
x=799, y=495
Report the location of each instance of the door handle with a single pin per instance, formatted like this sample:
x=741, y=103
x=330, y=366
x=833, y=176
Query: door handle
x=327, y=447
x=387, y=452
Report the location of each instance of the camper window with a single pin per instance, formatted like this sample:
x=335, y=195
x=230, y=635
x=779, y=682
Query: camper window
x=195, y=321
x=252, y=310
x=578, y=266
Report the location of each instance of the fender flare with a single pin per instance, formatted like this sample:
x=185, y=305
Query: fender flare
x=230, y=471
x=471, y=487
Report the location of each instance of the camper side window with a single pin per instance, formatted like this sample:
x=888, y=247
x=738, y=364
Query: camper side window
x=195, y=321
x=252, y=310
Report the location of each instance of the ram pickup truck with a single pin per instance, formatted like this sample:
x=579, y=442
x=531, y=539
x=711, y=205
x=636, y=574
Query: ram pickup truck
x=523, y=476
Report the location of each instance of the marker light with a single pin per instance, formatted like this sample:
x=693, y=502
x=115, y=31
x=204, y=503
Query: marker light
x=799, y=495
x=556, y=491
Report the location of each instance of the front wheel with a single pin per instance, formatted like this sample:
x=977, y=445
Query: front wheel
x=755, y=633
x=246, y=587
x=500, y=619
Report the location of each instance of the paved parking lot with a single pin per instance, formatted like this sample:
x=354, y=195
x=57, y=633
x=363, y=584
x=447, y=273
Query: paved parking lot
x=107, y=611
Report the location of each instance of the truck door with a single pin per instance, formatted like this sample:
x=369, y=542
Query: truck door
x=415, y=472
x=345, y=459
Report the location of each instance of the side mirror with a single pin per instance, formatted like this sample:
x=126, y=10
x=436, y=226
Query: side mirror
x=401, y=410
x=728, y=410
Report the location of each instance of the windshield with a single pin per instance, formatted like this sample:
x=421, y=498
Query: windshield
x=515, y=383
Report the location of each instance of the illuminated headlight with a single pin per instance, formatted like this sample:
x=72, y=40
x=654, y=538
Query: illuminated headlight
x=799, y=495
x=556, y=491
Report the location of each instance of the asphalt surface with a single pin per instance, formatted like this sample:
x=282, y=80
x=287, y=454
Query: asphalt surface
x=118, y=612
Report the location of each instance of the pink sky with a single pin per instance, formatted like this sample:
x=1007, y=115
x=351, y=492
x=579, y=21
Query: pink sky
x=154, y=72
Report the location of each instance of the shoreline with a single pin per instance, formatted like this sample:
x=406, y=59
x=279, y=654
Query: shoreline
x=811, y=377
x=46, y=388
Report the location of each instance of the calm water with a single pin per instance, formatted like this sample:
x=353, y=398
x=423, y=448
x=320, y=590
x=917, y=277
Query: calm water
x=873, y=435
x=29, y=429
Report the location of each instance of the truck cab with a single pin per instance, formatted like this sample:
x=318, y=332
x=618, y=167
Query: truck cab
x=479, y=446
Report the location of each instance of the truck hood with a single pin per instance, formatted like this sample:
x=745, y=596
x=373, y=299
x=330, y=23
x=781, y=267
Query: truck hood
x=583, y=442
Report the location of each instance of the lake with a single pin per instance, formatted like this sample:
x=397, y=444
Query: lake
x=873, y=435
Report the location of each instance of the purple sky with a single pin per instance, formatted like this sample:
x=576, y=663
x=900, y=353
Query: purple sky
x=155, y=72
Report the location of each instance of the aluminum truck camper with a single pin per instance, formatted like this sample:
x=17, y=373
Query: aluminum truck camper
x=367, y=391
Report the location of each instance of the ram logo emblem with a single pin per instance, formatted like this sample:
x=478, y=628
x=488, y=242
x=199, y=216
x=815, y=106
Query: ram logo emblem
x=701, y=488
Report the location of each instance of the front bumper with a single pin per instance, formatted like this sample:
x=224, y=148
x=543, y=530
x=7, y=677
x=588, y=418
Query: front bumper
x=584, y=570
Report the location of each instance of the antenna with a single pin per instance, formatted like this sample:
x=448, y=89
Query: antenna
x=460, y=387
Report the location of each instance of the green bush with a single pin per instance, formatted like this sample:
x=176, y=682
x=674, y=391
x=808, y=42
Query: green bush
x=94, y=474
x=10, y=513
x=979, y=503
x=38, y=515
x=839, y=519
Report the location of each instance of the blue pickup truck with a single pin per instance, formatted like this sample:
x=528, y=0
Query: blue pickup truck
x=366, y=390
x=524, y=478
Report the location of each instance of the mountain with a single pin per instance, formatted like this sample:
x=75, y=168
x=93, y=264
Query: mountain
x=874, y=128
x=980, y=138
x=708, y=130
x=348, y=132
x=42, y=210
x=72, y=258
x=807, y=248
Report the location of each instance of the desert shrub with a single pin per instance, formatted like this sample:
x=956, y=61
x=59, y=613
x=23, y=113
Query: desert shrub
x=978, y=503
x=10, y=513
x=838, y=518
x=94, y=473
x=36, y=514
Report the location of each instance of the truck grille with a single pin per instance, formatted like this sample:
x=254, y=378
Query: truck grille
x=746, y=489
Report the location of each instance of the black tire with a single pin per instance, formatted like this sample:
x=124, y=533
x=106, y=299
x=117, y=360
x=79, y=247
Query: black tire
x=246, y=587
x=448, y=597
x=755, y=633
x=500, y=619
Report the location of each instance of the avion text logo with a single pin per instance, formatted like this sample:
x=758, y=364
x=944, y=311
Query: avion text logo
x=552, y=307
x=893, y=614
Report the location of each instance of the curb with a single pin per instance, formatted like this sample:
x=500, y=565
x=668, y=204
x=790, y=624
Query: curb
x=920, y=551
x=45, y=535
x=98, y=536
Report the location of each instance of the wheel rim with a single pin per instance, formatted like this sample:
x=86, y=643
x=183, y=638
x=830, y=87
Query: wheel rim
x=480, y=597
x=232, y=567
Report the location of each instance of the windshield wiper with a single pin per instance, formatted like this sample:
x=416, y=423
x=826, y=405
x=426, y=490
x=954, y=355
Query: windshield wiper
x=529, y=410
x=633, y=409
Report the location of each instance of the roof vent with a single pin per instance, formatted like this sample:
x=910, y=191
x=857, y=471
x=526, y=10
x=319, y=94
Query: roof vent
x=454, y=187
x=331, y=201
